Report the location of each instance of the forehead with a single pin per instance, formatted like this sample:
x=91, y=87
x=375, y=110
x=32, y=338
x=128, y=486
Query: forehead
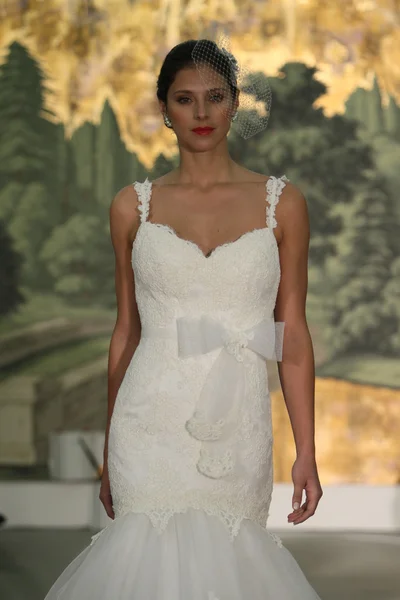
x=190, y=79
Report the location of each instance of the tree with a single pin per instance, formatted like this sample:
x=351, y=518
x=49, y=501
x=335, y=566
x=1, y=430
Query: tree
x=375, y=110
x=79, y=256
x=324, y=156
x=81, y=167
x=163, y=165
x=10, y=267
x=391, y=299
x=356, y=106
x=23, y=153
x=108, y=150
x=78, y=253
x=359, y=275
x=392, y=119
x=26, y=161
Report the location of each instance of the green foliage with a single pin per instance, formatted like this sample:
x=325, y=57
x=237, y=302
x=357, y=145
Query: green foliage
x=79, y=256
x=386, y=152
x=26, y=158
x=65, y=358
x=360, y=274
x=11, y=193
x=29, y=227
x=10, y=265
x=22, y=151
x=109, y=153
x=163, y=165
x=365, y=107
x=375, y=110
x=337, y=163
x=55, y=195
x=294, y=93
x=392, y=119
x=391, y=300
x=324, y=156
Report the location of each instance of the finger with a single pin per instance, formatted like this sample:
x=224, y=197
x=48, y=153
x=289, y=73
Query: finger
x=297, y=511
x=306, y=516
x=297, y=496
x=296, y=514
x=309, y=511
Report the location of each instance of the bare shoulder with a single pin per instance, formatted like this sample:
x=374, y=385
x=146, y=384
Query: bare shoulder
x=124, y=213
x=125, y=199
x=292, y=210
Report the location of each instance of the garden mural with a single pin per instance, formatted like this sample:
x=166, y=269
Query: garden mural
x=79, y=119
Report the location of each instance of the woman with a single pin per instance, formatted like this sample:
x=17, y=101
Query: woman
x=211, y=281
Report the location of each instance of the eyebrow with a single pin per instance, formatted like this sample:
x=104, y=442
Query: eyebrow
x=190, y=91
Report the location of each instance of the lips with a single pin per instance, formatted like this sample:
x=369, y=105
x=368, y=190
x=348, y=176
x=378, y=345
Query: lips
x=203, y=129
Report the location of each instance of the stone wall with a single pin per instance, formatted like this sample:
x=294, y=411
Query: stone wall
x=30, y=408
x=77, y=400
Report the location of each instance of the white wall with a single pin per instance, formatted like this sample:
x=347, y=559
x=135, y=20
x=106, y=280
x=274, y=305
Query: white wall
x=61, y=504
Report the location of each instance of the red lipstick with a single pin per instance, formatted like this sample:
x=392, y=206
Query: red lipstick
x=203, y=130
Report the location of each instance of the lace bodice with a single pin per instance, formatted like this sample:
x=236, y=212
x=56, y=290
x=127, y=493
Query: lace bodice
x=191, y=425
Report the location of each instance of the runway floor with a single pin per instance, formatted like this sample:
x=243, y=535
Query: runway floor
x=340, y=566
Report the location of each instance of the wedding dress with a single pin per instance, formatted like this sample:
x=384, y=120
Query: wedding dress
x=190, y=441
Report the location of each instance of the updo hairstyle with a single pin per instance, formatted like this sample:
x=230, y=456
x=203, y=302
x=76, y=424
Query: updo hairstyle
x=180, y=57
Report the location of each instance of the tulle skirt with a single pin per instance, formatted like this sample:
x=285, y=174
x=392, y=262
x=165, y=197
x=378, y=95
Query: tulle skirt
x=193, y=559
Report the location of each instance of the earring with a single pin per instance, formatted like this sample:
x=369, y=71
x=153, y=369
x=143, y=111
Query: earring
x=167, y=121
x=235, y=116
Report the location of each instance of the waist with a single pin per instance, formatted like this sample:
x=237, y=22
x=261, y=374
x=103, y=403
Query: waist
x=200, y=335
x=174, y=327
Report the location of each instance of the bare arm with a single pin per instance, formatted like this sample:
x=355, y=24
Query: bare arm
x=297, y=370
x=124, y=221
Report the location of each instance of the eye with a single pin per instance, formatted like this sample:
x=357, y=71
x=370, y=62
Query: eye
x=217, y=97
x=213, y=98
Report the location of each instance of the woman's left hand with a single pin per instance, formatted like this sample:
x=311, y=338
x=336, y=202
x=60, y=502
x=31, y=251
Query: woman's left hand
x=305, y=477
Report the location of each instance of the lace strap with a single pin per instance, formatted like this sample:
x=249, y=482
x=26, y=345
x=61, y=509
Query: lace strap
x=143, y=190
x=274, y=188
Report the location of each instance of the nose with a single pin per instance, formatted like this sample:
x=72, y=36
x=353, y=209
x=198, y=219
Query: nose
x=200, y=109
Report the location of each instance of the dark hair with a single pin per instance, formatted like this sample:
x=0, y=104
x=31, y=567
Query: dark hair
x=180, y=57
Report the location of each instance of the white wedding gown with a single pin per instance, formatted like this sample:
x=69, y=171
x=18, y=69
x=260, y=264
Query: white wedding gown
x=190, y=442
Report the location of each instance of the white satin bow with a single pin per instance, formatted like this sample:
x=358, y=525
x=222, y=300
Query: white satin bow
x=217, y=412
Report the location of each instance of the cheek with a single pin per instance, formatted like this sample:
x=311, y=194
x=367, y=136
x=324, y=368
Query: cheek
x=221, y=114
x=181, y=114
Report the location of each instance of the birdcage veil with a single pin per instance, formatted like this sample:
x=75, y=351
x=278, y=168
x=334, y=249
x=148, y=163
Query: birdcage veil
x=251, y=91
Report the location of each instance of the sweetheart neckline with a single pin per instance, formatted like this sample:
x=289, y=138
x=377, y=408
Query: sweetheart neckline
x=190, y=243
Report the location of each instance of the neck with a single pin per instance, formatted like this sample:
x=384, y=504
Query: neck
x=202, y=170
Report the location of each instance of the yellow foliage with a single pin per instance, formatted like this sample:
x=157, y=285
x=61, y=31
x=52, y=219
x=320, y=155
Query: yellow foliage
x=356, y=434
x=96, y=49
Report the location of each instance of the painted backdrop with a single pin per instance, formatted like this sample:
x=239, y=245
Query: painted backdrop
x=79, y=120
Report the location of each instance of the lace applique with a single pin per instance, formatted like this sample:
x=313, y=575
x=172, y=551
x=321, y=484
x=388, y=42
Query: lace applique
x=275, y=187
x=215, y=466
x=152, y=458
x=198, y=426
x=143, y=190
x=164, y=493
